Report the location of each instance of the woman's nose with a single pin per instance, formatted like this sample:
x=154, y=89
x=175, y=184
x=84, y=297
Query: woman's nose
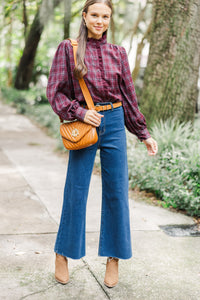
x=99, y=20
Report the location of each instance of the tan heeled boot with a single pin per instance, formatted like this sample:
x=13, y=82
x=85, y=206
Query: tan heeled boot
x=61, y=269
x=111, y=275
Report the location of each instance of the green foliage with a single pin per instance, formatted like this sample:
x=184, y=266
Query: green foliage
x=174, y=174
x=34, y=96
x=172, y=134
x=34, y=104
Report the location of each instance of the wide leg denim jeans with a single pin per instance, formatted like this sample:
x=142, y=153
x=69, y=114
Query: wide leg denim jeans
x=115, y=239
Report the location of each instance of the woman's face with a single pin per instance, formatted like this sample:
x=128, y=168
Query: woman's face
x=97, y=19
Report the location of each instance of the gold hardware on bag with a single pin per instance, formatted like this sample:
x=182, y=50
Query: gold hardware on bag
x=75, y=132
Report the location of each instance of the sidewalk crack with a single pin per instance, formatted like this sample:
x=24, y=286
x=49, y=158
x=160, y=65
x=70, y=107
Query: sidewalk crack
x=39, y=292
x=99, y=283
x=28, y=233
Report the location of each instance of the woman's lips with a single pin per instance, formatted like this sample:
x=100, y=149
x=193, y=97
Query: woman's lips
x=98, y=28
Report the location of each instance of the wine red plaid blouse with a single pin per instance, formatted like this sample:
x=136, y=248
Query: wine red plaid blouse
x=108, y=80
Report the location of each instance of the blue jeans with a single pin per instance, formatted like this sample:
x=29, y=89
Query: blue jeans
x=115, y=238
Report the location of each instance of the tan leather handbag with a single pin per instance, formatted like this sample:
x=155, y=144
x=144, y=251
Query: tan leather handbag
x=76, y=134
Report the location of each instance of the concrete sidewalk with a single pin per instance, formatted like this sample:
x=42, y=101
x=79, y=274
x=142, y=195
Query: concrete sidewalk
x=31, y=186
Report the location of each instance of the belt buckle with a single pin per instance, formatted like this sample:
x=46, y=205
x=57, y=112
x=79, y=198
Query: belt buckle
x=103, y=107
x=98, y=105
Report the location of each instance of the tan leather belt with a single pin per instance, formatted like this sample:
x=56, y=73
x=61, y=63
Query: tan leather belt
x=107, y=106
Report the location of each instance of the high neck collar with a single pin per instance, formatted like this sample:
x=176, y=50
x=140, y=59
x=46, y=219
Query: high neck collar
x=102, y=40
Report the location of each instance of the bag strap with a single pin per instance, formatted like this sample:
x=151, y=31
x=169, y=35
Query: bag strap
x=82, y=83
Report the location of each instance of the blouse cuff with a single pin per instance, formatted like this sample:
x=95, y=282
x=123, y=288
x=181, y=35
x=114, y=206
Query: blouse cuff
x=144, y=135
x=80, y=113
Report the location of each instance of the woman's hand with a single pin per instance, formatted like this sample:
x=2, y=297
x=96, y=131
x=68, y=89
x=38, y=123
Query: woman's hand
x=151, y=145
x=92, y=117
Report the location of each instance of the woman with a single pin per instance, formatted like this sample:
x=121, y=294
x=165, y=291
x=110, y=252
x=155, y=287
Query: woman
x=107, y=75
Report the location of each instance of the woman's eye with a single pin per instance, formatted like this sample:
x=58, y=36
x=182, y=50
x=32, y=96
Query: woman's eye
x=94, y=15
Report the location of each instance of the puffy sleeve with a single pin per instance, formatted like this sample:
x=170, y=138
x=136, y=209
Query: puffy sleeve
x=134, y=119
x=60, y=92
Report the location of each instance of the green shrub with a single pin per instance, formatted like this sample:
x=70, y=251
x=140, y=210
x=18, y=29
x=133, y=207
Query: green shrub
x=172, y=135
x=34, y=104
x=174, y=174
x=17, y=98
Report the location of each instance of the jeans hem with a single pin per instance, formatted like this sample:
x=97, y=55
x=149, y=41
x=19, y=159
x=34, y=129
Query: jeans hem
x=116, y=256
x=68, y=256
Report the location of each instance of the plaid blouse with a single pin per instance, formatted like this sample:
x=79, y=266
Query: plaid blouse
x=108, y=80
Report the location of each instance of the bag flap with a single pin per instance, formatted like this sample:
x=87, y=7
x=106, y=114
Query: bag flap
x=74, y=131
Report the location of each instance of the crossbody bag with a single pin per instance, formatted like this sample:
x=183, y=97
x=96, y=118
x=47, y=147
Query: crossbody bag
x=77, y=134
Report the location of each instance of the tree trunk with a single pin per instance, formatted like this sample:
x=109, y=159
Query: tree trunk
x=113, y=29
x=25, y=19
x=140, y=48
x=135, y=27
x=26, y=64
x=9, y=52
x=67, y=18
x=170, y=82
